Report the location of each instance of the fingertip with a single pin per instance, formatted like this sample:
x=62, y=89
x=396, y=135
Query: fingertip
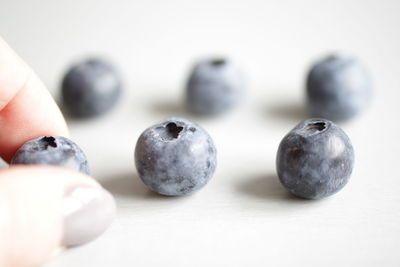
x=50, y=206
x=14, y=73
x=27, y=110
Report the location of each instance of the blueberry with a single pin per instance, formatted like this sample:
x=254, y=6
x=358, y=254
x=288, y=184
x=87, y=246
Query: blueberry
x=91, y=88
x=52, y=150
x=175, y=157
x=214, y=87
x=338, y=88
x=315, y=159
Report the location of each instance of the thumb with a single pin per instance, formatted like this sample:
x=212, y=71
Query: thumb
x=43, y=208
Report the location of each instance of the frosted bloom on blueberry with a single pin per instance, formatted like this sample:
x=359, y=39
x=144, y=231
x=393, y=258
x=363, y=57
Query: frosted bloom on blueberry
x=338, y=88
x=315, y=159
x=175, y=157
x=91, y=88
x=214, y=86
x=52, y=150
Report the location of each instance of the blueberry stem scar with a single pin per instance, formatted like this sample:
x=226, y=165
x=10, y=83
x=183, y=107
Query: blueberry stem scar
x=170, y=131
x=48, y=141
x=319, y=126
x=218, y=62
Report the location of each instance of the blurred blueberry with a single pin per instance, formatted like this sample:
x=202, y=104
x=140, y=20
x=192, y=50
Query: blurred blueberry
x=91, y=88
x=214, y=87
x=338, y=88
x=175, y=157
x=52, y=150
x=315, y=159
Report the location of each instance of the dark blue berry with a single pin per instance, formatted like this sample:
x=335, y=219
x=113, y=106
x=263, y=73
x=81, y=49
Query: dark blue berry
x=315, y=159
x=52, y=150
x=91, y=88
x=175, y=157
x=214, y=87
x=338, y=88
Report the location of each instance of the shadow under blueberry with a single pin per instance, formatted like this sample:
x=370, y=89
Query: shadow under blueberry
x=289, y=111
x=129, y=185
x=267, y=187
x=169, y=108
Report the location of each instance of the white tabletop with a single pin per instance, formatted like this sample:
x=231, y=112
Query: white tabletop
x=243, y=217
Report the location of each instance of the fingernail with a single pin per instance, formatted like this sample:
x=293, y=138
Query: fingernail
x=87, y=211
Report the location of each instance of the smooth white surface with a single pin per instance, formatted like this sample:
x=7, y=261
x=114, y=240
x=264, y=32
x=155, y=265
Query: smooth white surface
x=243, y=217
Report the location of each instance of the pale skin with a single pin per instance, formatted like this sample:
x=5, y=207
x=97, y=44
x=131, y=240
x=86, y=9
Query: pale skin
x=30, y=196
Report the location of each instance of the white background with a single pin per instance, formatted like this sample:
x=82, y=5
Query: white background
x=243, y=217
